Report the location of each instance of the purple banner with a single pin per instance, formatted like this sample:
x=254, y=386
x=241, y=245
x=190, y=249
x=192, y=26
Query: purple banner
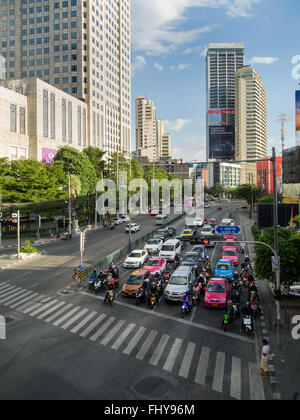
x=48, y=156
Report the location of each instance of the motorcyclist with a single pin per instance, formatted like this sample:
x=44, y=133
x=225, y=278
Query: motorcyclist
x=177, y=260
x=187, y=300
x=109, y=287
x=247, y=311
x=93, y=276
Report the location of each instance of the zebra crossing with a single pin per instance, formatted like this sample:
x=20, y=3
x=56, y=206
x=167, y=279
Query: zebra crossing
x=223, y=373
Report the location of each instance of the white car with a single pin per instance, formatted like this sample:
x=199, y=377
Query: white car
x=136, y=259
x=198, y=222
x=125, y=219
x=207, y=230
x=134, y=227
x=118, y=221
x=227, y=222
x=154, y=245
x=206, y=205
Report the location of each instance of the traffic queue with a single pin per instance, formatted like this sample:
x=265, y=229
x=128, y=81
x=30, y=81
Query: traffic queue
x=160, y=271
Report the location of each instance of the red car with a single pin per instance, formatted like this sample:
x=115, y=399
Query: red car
x=230, y=253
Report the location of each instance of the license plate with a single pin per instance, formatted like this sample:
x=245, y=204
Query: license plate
x=215, y=305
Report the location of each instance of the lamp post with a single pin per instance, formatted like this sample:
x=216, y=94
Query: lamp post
x=82, y=241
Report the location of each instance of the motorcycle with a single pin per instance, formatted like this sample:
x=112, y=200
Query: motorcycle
x=176, y=263
x=92, y=284
x=167, y=276
x=186, y=308
x=247, y=325
x=256, y=309
x=99, y=285
x=111, y=297
x=152, y=301
x=243, y=246
x=111, y=226
x=140, y=296
x=226, y=321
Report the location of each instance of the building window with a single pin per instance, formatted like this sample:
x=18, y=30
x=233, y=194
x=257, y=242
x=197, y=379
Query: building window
x=13, y=118
x=13, y=153
x=22, y=121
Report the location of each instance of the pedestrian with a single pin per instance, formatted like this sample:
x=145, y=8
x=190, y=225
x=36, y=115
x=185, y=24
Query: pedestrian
x=265, y=353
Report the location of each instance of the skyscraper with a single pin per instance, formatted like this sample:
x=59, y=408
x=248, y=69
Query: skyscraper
x=251, y=128
x=81, y=47
x=146, y=129
x=222, y=62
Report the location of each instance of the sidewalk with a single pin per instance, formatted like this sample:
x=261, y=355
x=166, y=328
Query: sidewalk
x=285, y=361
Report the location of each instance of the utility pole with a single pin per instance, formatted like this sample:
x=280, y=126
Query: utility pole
x=0, y=220
x=18, y=234
x=69, y=205
x=96, y=215
x=129, y=206
x=283, y=119
x=275, y=213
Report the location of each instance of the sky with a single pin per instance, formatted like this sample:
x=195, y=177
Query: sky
x=169, y=41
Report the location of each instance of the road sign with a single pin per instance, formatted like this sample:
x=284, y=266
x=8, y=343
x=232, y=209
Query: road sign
x=274, y=264
x=14, y=215
x=228, y=230
x=80, y=272
x=0, y=215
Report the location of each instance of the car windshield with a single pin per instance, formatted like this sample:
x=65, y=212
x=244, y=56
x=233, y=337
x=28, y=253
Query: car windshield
x=154, y=242
x=186, y=232
x=216, y=288
x=161, y=232
x=223, y=267
x=135, y=280
x=135, y=255
x=190, y=258
x=167, y=248
x=178, y=280
x=198, y=249
x=153, y=263
x=229, y=253
x=207, y=229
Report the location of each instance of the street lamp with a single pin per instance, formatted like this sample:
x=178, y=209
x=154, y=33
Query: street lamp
x=82, y=241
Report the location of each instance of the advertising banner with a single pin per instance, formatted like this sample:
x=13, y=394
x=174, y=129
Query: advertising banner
x=48, y=156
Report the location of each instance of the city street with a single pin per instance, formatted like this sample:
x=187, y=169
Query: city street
x=73, y=347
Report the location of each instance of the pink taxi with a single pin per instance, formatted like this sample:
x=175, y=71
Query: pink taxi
x=230, y=253
x=230, y=237
x=216, y=293
x=155, y=265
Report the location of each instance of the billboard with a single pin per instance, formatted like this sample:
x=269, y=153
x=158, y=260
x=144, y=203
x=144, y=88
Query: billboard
x=221, y=142
x=291, y=165
x=298, y=117
x=285, y=212
x=48, y=156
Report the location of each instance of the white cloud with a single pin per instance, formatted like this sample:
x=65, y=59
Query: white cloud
x=158, y=66
x=139, y=63
x=201, y=50
x=176, y=152
x=263, y=60
x=155, y=23
x=176, y=125
x=180, y=67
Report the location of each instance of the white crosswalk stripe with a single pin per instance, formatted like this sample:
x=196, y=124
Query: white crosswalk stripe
x=103, y=328
x=51, y=310
x=91, y=327
x=9, y=289
x=16, y=299
x=4, y=287
x=202, y=366
x=236, y=377
x=187, y=360
x=146, y=346
x=117, y=344
x=112, y=333
x=134, y=341
x=66, y=316
x=12, y=293
x=159, y=350
x=31, y=308
x=74, y=319
x=27, y=299
x=84, y=322
x=7, y=299
x=256, y=384
x=173, y=355
x=41, y=309
x=58, y=313
x=219, y=372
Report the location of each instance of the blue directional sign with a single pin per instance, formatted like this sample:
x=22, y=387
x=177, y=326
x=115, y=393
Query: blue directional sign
x=228, y=230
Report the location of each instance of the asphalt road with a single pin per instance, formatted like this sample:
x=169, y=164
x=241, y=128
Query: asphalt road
x=74, y=347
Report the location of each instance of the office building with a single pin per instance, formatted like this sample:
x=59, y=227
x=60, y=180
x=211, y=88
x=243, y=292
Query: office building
x=251, y=130
x=36, y=119
x=222, y=62
x=80, y=47
x=264, y=175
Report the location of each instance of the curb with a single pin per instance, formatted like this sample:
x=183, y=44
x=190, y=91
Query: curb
x=264, y=332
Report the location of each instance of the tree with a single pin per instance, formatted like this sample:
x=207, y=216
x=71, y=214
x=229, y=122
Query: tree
x=289, y=252
x=96, y=158
x=79, y=164
x=246, y=191
x=267, y=199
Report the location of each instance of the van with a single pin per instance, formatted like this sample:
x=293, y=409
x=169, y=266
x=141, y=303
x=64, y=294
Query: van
x=160, y=219
x=170, y=249
x=180, y=282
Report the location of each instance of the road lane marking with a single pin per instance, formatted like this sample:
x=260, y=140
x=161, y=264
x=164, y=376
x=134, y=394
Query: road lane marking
x=112, y=332
x=74, y=319
x=187, y=360
x=5, y=287
x=103, y=328
x=51, y=310
x=43, y=307
x=146, y=346
x=11, y=295
x=202, y=366
x=159, y=350
x=117, y=344
x=135, y=340
x=61, y=311
x=84, y=322
x=236, y=377
x=67, y=315
x=10, y=291
x=16, y=299
x=219, y=372
x=92, y=326
x=173, y=355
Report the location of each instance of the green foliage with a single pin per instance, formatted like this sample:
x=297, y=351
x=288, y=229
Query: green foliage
x=216, y=190
x=79, y=164
x=268, y=199
x=289, y=252
x=96, y=158
x=28, y=248
x=246, y=191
